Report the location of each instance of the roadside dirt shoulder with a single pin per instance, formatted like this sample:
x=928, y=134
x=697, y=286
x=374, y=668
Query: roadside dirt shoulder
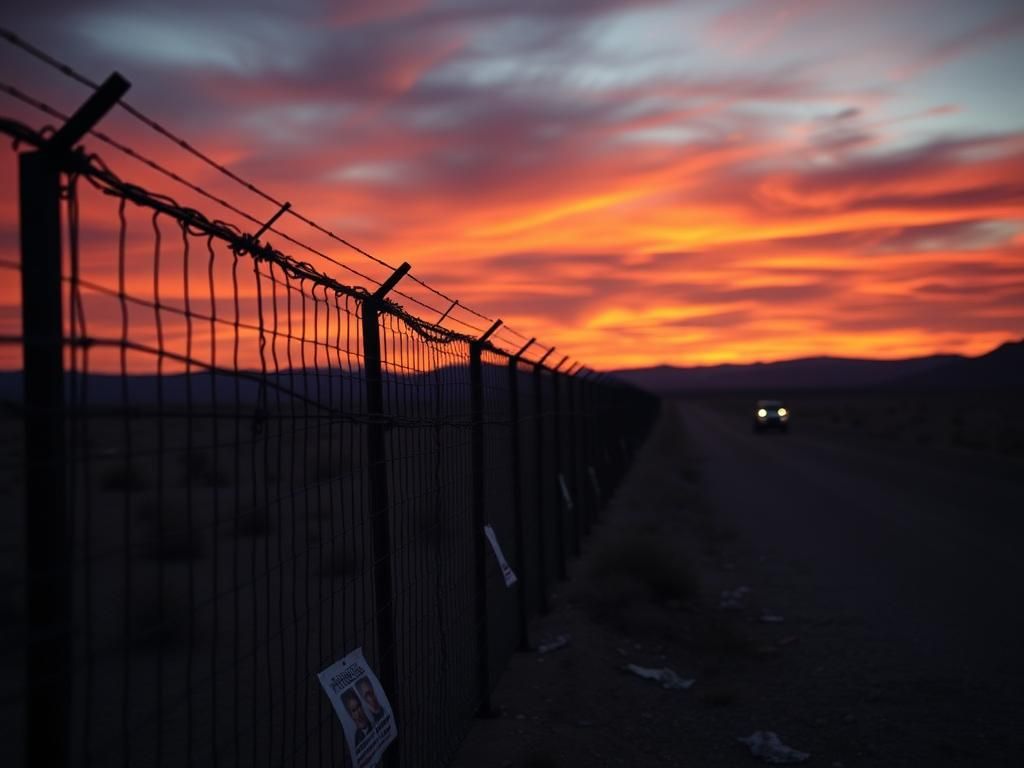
x=647, y=592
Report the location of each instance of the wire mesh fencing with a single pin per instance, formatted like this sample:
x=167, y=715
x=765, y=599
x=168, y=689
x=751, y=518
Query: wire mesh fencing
x=227, y=470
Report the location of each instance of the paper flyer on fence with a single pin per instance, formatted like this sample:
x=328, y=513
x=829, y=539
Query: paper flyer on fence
x=506, y=570
x=362, y=707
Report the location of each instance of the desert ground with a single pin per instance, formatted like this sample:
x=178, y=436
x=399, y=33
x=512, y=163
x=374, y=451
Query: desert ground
x=851, y=586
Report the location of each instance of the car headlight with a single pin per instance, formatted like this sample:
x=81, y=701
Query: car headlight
x=762, y=413
x=783, y=411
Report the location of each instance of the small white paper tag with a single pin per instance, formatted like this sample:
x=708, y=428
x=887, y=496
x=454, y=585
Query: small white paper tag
x=506, y=570
x=565, y=492
x=362, y=707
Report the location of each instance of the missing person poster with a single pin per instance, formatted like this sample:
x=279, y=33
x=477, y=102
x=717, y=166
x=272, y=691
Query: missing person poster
x=362, y=707
x=506, y=569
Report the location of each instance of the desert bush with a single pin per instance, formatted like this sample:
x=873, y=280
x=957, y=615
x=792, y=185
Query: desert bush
x=633, y=568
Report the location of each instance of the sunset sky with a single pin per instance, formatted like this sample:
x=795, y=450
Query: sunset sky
x=634, y=182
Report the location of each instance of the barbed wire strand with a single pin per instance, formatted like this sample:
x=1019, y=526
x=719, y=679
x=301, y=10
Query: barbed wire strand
x=70, y=72
x=56, y=114
x=152, y=164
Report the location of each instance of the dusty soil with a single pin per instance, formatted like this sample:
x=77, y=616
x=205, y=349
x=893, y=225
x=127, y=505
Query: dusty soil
x=828, y=679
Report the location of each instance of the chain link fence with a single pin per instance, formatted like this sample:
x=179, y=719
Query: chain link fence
x=225, y=470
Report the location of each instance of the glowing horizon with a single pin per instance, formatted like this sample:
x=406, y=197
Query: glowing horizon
x=634, y=183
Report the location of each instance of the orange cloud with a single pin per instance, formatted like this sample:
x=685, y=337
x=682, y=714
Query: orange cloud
x=727, y=214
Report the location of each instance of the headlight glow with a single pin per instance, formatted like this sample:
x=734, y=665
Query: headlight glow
x=761, y=412
x=783, y=411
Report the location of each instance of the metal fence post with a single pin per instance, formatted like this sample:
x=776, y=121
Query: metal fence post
x=561, y=502
x=517, y=495
x=574, y=466
x=476, y=397
x=589, y=437
x=376, y=455
x=48, y=531
x=48, y=545
x=538, y=409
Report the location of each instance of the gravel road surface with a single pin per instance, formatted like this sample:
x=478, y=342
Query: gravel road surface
x=926, y=550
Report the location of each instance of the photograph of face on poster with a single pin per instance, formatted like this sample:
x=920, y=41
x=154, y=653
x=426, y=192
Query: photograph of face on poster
x=362, y=707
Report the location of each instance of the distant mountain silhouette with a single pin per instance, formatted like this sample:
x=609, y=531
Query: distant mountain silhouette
x=251, y=388
x=1003, y=368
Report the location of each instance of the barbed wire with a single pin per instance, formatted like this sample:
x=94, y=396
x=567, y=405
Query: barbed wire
x=91, y=168
x=68, y=71
x=24, y=133
x=152, y=164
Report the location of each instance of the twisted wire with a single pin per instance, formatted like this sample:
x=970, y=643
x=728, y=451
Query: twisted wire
x=70, y=72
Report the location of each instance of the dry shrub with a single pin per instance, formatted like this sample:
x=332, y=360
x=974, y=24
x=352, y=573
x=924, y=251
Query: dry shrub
x=633, y=570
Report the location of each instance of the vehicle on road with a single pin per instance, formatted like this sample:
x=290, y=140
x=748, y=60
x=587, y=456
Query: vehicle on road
x=770, y=414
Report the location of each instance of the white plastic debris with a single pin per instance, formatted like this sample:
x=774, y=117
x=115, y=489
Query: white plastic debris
x=561, y=641
x=667, y=677
x=767, y=746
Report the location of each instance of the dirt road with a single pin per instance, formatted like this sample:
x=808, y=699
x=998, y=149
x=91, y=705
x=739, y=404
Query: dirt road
x=894, y=573
x=924, y=552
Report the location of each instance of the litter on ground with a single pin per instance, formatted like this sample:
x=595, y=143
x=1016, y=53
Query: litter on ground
x=767, y=746
x=667, y=677
x=771, y=618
